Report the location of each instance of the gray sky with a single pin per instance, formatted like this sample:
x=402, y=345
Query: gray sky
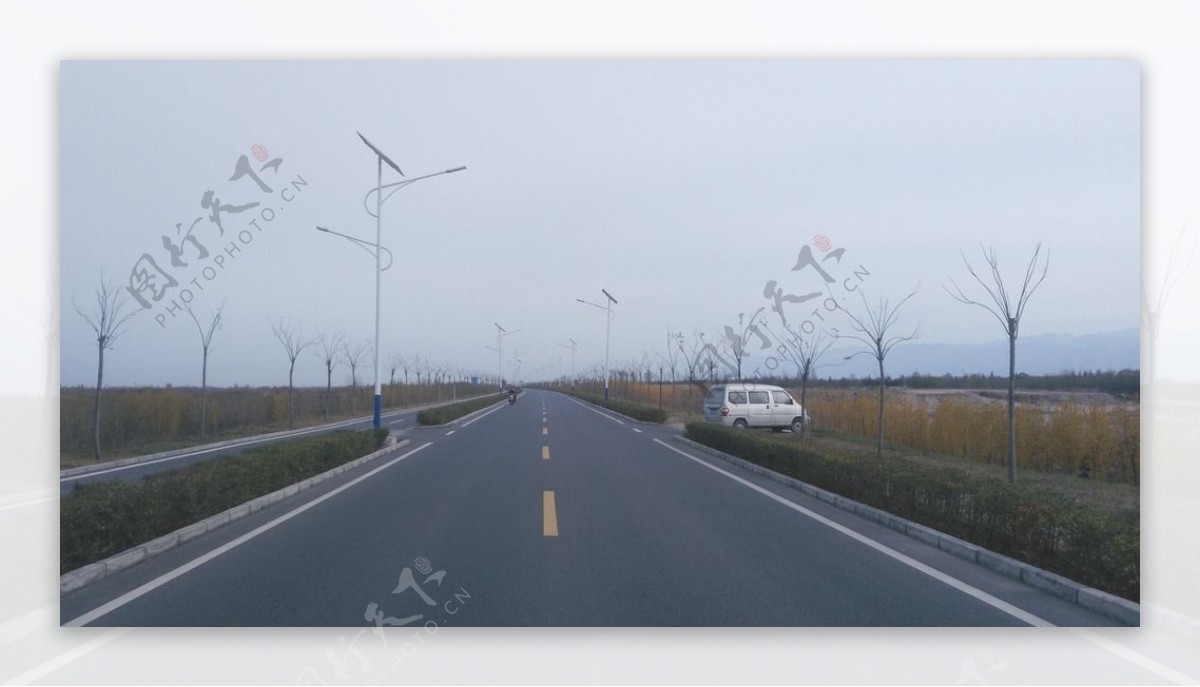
x=682, y=187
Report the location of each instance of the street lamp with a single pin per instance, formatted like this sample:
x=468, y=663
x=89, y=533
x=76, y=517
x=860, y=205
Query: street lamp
x=517, y=364
x=572, y=347
x=377, y=214
x=365, y=245
x=607, y=326
x=500, y=334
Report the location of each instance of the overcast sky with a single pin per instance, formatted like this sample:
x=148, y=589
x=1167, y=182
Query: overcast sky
x=681, y=187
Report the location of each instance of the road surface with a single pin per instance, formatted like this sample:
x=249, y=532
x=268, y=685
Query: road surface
x=552, y=512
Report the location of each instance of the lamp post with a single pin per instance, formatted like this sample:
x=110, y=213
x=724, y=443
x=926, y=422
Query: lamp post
x=572, y=347
x=500, y=334
x=607, y=327
x=379, y=198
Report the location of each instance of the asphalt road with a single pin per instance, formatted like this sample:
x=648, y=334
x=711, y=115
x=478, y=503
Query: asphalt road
x=397, y=421
x=553, y=513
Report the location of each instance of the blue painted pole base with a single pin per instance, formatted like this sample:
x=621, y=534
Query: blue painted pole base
x=378, y=410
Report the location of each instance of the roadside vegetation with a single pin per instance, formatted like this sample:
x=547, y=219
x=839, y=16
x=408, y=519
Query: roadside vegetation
x=103, y=519
x=1089, y=430
x=637, y=411
x=143, y=420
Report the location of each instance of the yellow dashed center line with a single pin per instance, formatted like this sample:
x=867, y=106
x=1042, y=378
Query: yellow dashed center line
x=549, y=515
x=545, y=453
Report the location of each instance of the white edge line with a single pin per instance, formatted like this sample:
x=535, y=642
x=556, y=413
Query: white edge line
x=451, y=432
x=637, y=430
x=1134, y=657
x=994, y=602
x=159, y=581
x=476, y=419
x=22, y=504
x=619, y=422
x=63, y=659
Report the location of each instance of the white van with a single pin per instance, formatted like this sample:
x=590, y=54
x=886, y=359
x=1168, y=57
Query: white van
x=746, y=404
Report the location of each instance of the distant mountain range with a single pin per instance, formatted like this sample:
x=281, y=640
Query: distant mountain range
x=1036, y=355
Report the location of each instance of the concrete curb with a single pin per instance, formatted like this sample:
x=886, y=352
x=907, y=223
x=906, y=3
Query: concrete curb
x=81, y=577
x=1108, y=605
x=134, y=460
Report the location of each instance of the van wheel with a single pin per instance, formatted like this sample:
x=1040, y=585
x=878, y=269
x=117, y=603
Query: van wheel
x=739, y=424
x=797, y=425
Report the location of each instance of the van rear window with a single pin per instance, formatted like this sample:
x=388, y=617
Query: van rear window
x=714, y=394
x=737, y=397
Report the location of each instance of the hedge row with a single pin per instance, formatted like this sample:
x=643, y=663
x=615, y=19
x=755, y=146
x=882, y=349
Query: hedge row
x=102, y=519
x=443, y=414
x=1041, y=528
x=636, y=411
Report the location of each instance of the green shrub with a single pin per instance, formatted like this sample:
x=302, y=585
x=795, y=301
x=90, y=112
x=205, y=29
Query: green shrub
x=443, y=414
x=105, y=518
x=1041, y=528
x=636, y=411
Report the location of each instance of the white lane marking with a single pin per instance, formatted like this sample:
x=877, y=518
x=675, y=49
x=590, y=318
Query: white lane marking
x=468, y=424
x=22, y=504
x=450, y=432
x=63, y=659
x=637, y=430
x=196, y=563
x=938, y=575
x=581, y=403
x=1135, y=657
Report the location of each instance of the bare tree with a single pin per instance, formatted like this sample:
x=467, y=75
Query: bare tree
x=331, y=350
x=1009, y=313
x=51, y=328
x=417, y=365
x=691, y=352
x=355, y=357
x=108, y=324
x=871, y=330
x=394, y=363
x=291, y=337
x=206, y=337
x=405, y=364
x=1152, y=316
x=737, y=340
x=671, y=359
x=804, y=354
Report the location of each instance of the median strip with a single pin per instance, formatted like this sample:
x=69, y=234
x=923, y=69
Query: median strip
x=159, y=581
